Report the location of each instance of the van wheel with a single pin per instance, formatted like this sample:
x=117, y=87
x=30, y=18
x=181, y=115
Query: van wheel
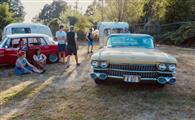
x=53, y=58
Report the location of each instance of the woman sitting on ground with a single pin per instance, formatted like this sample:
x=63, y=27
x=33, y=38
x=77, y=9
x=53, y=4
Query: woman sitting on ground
x=23, y=66
x=39, y=59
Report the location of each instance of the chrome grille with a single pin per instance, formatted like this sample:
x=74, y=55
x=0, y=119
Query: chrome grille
x=145, y=71
x=136, y=67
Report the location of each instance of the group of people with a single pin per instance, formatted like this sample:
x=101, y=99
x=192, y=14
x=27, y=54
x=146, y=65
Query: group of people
x=24, y=67
x=67, y=46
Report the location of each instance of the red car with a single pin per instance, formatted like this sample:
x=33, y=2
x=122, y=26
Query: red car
x=10, y=46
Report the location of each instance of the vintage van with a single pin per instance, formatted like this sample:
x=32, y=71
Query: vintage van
x=107, y=28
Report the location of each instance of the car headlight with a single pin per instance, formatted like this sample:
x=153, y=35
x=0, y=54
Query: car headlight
x=95, y=63
x=104, y=64
x=172, y=67
x=162, y=67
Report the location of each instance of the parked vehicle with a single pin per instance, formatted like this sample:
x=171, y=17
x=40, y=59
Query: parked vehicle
x=108, y=28
x=133, y=58
x=10, y=46
x=26, y=28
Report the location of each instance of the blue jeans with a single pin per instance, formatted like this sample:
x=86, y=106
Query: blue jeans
x=19, y=71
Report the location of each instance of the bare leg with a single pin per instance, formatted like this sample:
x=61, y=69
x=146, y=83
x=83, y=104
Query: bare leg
x=59, y=56
x=92, y=48
x=63, y=57
x=88, y=49
x=68, y=61
x=76, y=59
x=36, y=70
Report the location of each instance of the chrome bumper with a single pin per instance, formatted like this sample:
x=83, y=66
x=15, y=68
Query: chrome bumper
x=160, y=80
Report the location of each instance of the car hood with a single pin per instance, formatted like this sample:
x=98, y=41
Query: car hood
x=133, y=55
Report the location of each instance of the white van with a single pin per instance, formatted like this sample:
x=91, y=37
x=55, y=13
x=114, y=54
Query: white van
x=22, y=28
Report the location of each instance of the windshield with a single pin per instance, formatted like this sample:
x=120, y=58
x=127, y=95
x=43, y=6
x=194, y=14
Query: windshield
x=130, y=41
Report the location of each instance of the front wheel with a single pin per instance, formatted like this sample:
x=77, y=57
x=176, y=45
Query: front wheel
x=53, y=58
x=160, y=85
x=98, y=81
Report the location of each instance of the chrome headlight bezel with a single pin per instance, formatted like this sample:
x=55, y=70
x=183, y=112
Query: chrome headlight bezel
x=162, y=67
x=172, y=67
x=95, y=63
x=103, y=64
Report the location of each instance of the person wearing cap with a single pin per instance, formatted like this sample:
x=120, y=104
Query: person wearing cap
x=72, y=45
x=61, y=38
x=23, y=66
x=89, y=37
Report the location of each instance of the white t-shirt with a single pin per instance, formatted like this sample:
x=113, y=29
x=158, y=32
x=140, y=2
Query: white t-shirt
x=61, y=37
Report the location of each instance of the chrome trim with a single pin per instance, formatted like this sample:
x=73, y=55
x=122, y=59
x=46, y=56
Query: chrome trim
x=142, y=79
x=134, y=71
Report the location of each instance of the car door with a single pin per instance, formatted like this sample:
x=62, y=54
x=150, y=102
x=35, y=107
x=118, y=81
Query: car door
x=37, y=43
x=2, y=56
x=11, y=52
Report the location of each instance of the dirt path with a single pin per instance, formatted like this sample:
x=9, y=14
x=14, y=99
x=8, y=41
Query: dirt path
x=70, y=94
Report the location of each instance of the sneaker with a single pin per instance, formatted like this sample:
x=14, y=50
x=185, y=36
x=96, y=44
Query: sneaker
x=91, y=51
x=78, y=64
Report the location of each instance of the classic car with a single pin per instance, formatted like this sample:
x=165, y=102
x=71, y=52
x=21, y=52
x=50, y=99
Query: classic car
x=133, y=58
x=10, y=46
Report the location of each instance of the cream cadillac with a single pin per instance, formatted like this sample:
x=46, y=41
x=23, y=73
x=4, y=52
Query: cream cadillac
x=133, y=58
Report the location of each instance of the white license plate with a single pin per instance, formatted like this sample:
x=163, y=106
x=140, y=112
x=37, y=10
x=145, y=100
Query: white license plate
x=132, y=78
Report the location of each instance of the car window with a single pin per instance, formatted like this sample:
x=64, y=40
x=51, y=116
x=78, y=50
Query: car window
x=16, y=42
x=38, y=41
x=21, y=30
x=129, y=41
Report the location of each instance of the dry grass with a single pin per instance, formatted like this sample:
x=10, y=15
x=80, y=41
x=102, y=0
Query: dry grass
x=71, y=95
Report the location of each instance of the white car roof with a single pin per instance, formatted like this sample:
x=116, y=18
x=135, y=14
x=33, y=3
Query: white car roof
x=24, y=24
x=26, y=35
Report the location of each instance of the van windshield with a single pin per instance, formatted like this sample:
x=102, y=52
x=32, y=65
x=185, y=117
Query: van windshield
x=21, y=30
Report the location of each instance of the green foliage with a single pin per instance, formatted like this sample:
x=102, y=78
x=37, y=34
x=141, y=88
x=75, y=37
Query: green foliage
x=51, y=11
x=6, y=17
x=17, y=8
x=181, y=36
x=180, y=10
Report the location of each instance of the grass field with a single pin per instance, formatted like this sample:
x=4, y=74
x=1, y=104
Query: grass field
x=70, y=94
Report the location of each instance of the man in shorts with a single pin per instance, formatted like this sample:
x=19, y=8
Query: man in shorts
x=89, y=37
x=72, y=45
x=61, y=38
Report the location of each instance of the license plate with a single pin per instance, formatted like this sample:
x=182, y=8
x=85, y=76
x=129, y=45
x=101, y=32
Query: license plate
x=132, y=78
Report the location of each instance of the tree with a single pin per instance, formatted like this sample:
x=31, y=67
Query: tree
x=6, y=17
x=51, y=11
x=17, y=8
x=180, y=10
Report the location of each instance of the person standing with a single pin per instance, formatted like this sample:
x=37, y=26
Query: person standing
x=72, y=45
x=89, y=37
x=61, y=38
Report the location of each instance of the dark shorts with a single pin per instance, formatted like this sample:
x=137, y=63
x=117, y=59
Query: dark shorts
x=61, y=47
x=90, y=43
x=72, y=50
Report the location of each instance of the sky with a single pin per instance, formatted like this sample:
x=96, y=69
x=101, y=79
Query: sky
x=33, y=7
